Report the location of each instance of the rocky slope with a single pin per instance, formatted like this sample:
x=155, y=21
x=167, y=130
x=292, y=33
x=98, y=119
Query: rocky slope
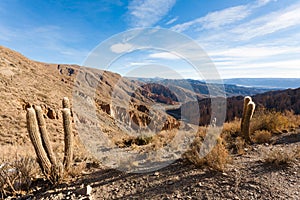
x=273, y=100
x=24, y=82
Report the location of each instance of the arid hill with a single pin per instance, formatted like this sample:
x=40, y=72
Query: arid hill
x=24, y=82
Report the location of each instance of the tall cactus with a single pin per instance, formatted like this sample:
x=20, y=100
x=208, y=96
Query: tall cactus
x=44, y=135
x=68, y=135
x=36, y=126
x=33, y=130
x=248, y=110
x=247, y=99
x=66, y=102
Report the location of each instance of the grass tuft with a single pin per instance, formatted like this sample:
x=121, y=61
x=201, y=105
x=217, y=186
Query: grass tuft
x=216, y=159
x=262, y=136
x=281, y=157
x=16, y=176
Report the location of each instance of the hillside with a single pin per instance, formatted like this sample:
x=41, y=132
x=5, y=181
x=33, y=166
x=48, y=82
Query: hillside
x=274, y=100
x=130, y=116
x=117, y=109
x=191, y=88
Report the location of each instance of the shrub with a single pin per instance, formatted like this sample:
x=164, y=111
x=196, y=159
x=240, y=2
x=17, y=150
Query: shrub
x=16, y=176
x=240, y=145
x=232, y=128
x=262, y=136
x=131, y=141
x=282, y=156
x=294, y=120
x=271, y=121
x=216, y=159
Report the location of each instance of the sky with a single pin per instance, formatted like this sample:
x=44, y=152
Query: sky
x=242, y=38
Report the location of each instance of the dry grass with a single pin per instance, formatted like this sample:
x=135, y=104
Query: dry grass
x=230, y=133
x=272, y=121
x=16, y=175
x=262, y=136
x=231, y=129
x=263, y=124
x=240, y=145
x=294, y=120
x=282, y=157
x=217, y=156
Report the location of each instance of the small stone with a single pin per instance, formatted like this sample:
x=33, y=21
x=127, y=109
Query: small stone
x=170, y=182
x=86, y=190
x=156, y=174
x=254, y=186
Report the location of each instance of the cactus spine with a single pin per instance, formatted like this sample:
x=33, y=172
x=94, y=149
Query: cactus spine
x=33, y=130
x=68, y=136
x=248, y=110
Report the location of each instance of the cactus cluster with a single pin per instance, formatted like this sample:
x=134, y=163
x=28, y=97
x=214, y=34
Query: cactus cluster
x=38, y=134
x=248, y=110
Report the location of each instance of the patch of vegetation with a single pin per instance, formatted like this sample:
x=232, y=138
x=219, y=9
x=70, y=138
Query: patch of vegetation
x=217, y=156
x=262, y=136
x=281, y=157
x=272, y=121
x=132, y=141
x=16, y=176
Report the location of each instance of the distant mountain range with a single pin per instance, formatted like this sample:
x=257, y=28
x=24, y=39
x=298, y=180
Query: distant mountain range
x=189, y=88
x=274, y=83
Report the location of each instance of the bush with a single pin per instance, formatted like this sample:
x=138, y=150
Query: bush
x=132, y=141
x=271, y=121
x=16, y=176
x=216, y=159
x=240, y=145
x=232, y=128
x=262, y=136
x=282, y=157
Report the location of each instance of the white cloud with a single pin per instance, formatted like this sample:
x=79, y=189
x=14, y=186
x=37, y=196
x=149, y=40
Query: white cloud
x=171, y=21
x=216, y=19
x=251, y=52
x=133, y=64
x=164, y=55
x=146, y=13
x=270, y=23
x=262, y=69
x=121, y=47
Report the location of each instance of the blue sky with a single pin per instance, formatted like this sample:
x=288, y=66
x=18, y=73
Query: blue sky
x=243, y=38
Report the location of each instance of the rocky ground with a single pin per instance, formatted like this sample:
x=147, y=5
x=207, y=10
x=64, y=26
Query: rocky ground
x=248, y=176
